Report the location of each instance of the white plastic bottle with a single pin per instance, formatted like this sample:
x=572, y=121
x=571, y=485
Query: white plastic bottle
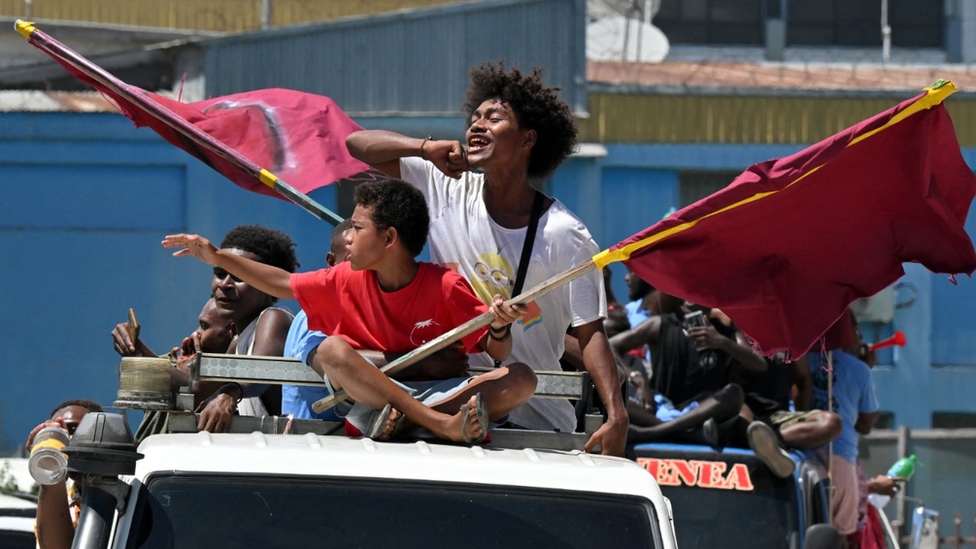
x=47, y=464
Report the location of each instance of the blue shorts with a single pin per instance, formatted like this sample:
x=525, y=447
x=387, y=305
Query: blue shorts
x=428, y=393
x=666, y=410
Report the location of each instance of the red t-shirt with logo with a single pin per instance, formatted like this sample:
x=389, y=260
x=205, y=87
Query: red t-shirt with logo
x=350, y=304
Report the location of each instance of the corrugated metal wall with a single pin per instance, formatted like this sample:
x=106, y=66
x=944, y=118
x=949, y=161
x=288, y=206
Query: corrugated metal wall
x=665, y=118
x=408, y=62
x=208, y=15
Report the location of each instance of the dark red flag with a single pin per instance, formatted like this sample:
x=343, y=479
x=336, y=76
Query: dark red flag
x=792, y=242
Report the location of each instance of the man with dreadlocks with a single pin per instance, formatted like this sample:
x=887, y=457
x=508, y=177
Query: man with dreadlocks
x=519, y=131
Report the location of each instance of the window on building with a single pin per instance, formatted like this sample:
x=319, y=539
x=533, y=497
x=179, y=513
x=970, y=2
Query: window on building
x=886, y=420
x=953, y=420
x=711, y=21
x=858, y=23
x=696, y=185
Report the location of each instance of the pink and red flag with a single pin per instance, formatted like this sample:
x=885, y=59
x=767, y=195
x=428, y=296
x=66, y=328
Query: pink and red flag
x=254, y=138
x=792, y=242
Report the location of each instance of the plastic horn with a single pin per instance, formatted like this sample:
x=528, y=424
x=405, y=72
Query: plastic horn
x=897, y=339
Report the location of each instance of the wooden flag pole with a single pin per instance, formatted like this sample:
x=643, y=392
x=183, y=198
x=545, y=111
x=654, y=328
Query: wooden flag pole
x=469, y=327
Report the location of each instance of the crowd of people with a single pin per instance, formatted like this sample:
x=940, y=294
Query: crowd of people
x=663, y=368
x=693, y=377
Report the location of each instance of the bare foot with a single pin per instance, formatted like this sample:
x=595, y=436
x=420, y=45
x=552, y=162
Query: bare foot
x=451, y=428
x=391, y=426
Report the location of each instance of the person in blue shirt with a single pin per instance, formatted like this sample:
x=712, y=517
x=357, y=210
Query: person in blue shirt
x=854, y=400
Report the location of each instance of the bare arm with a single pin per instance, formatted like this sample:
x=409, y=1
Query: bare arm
x=383, y=150
x=54, y=527
x=269, y=279
x=572, y=353
x=804, y=384
x=865, y=422
x=645, y=332
x=707, y=337
x=598, y=359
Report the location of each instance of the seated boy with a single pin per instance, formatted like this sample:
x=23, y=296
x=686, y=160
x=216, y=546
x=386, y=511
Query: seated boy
x=390, y=302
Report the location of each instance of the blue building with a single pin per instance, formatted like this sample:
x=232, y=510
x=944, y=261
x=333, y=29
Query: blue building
x=88, y=197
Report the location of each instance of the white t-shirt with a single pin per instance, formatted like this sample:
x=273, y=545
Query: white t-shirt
x=464, y=237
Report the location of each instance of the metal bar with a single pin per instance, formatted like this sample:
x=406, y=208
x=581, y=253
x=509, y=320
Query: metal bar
x=269, y=425
x=903, y=439
x=253, y=369
x=924, y=434
x=957, y=526
x=277, y=370
x=554, y=384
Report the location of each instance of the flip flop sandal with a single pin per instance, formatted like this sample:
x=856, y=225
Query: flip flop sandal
x=378, y=420
x=481, y=410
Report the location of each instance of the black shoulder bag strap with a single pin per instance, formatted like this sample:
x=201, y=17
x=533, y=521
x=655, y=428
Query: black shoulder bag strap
x=523, y=265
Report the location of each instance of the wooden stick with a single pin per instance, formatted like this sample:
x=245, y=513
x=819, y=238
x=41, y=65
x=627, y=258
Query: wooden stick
x=469, y=327
x=132, y=326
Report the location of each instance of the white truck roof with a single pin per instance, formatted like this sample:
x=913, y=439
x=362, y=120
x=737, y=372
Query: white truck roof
x=345, y=457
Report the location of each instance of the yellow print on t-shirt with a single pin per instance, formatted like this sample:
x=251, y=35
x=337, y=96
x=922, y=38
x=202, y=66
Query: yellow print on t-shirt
x=493, y=274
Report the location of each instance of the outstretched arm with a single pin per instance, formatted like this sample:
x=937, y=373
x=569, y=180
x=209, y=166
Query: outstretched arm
x=383, y=150
x=269, y=279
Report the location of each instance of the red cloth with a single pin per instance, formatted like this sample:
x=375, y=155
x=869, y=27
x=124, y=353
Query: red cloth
x=350, y=304
x=873, y=537
x=299, y=137
x=841, y=220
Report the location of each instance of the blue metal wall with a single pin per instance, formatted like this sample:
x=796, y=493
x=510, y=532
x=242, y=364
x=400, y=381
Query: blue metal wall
x=86, y=201
x=410, y=61
x=87, y=198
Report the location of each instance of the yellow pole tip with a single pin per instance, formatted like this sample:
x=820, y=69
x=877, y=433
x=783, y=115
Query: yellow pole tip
x=24, y=27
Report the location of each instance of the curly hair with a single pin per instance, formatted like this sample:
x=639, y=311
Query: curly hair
x=89, y=405
x=398, y=204
x=536, y=107
x=272, y=246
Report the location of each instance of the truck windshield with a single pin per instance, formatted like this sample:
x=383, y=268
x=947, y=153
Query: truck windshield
x=206, y=512
x=726, y=500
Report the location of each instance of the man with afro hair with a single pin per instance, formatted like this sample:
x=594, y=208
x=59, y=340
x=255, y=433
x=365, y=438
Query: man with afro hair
x=518, y=131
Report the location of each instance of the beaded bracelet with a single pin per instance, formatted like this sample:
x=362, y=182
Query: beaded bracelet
x=426, y=139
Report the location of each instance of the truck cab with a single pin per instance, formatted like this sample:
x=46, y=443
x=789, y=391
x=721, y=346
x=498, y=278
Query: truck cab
x=731, y=499
x=280, y=482
x=257, y=490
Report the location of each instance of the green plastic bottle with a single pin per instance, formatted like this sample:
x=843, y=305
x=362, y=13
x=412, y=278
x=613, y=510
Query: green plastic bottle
x=903, y=468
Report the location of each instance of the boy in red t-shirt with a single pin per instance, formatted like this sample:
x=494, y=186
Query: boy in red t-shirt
x=384, y=299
